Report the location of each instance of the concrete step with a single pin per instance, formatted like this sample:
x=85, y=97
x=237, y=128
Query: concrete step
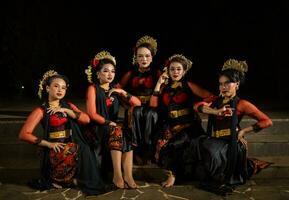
x=262, y=144
x=259, y=144
x=278, y=170
x=23, y=170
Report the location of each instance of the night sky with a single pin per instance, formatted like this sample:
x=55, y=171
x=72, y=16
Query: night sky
x=38, y=36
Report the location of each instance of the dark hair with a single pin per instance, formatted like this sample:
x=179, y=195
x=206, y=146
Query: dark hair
x=49, y=80
x=100, y=65
x=179, y=60
x=148, y=46
x=233, y=75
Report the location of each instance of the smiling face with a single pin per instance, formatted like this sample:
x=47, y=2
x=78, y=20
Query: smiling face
x=176, y=71
x=227, y=88
x=57, y=89
x=106, y=74
x=143, y=57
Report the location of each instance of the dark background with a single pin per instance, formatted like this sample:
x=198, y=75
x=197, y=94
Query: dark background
x=36, y=36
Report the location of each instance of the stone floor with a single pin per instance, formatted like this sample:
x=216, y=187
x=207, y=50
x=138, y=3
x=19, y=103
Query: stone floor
x=253, y=190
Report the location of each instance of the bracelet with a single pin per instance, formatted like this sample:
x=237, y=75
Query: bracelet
x=37, y=141
x=200, y=108
x=128, y=96
x=256, y=128
x=107, y=122
x=77, y=114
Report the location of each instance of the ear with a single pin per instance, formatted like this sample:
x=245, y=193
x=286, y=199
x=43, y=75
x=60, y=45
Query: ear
x=97, y=75
x=237, y=85
x=47, y=88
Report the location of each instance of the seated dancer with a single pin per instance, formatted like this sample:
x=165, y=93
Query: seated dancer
x=140, y=81
x=175, y=97
x=112, y=140
x=66, y=160
x=223, y=153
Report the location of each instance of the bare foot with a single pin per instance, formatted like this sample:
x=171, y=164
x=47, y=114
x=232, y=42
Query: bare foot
x=169, y=182
x=130, y=183
x=119, y=183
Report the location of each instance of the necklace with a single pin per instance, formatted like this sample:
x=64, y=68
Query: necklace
x=53, y=104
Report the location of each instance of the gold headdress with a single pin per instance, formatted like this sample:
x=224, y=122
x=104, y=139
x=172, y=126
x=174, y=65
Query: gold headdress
x=146, y=40
x=240, y=66
x=45, y=76
x=94, y=63
x=188, y=62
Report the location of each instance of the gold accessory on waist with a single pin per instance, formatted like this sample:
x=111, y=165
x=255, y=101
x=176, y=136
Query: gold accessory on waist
x=60, y=134
x=221, y=133
x=179, y=113
x=144, y=99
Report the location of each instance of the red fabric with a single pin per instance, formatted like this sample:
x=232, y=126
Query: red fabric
x=180, y=98
x=148, y=82
x=166, y=99
x=135, y=82
x=56, y=120
x=108, y=102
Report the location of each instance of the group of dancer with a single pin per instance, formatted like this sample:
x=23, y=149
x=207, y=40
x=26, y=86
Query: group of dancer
x=161, y=125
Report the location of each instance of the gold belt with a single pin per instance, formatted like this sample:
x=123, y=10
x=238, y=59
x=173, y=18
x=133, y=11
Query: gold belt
x=144, y=99
x=222, y=133
x=178, y=113
x=60, y=134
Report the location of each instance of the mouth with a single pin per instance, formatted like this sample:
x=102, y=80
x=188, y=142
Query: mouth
x=59, y=94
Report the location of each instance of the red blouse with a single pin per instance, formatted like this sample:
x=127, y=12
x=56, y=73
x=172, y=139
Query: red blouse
x=91, y=107
x=196, y=89
x=26, y=133
x=244, y=107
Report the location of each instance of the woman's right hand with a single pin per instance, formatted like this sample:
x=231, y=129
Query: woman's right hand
x=163, y=78
x=112, y=124
x=56, y=146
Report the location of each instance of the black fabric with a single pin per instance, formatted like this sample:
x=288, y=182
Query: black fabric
x=144, y=127
x=224, y=159
x=88, y=166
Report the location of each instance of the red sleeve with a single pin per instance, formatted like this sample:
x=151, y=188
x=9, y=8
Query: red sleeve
x=201, y=92
x=154, y=101
x=124, y=80
x=26, y=133
x=247, y=108
x=91, y=107
x=83, y=117
x=134, y=101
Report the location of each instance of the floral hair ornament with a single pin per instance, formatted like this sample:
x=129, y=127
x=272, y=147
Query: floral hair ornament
x=45, y=76
x=240, y=66
x=95, y=62
x=177, y=57
x=145, y=40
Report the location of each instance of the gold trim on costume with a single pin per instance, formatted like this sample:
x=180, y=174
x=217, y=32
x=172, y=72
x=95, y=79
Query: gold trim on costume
x=222, y=133
x=144, y=99
x=179, y=113
x=60, y=134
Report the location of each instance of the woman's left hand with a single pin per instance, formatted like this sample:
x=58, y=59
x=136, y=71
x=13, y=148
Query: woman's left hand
x=242, y=139
x=52, y=111
x=117, y=90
